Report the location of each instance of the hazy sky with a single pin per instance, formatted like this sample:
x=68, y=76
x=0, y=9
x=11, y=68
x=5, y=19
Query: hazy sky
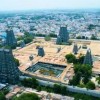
x=47, y=4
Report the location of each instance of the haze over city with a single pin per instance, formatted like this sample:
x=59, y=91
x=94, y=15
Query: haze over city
x=11, y=5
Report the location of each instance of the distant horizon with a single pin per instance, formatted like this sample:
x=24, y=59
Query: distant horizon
x=20, y=5
x=32, y=10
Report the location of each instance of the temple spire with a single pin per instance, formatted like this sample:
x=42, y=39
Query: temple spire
x=10, y=38
x=88, y=58
x=75, y=49
x=63, y=36
x=41, y=51
x=9, y=72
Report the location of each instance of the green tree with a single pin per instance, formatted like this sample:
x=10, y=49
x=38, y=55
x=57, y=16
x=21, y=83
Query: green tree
x=90, y=85
x=81, y=72
x=27, y=96
x=40, y=35
x=91, y=27
x=70, y=58
x=47, y=38
x=78, y=37
x=76, y=79
x=27, y=34
x=28, y=37
x=17, y=61
x=5, y=91
x=98, y=79
x=39, y=88
x=30, y=82
x=80, y=59
x=82, y=97
x=63, y=90
x=93, y=37
x=20, y=38
x=52, y=35
x=13, y=47
x=86, y=79
x=57, y=88
x=84, y=69
x=28, y=40
x=81, y=85
x=2, y=96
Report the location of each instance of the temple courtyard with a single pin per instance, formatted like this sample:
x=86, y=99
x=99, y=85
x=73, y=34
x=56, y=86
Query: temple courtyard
x=53, y=66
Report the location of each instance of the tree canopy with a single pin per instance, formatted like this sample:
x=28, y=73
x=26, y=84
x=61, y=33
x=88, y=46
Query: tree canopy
x=27, y=38
x=47, y=38
x=17, y=61
x=59, y=89
x=93, y=37
x=90, y=85
x=98, y=79
x=30, y=82
x=2, y=96
x=70, y=58
x=27, y=96
x=81, y=72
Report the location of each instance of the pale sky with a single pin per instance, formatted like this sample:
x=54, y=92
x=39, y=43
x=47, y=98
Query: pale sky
x=47, y=4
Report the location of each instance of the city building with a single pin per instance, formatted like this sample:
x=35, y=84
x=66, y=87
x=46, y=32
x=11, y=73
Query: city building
x=63, y=36
x=9, y=72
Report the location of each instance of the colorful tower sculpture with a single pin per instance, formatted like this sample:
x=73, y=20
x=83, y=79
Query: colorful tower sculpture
x=41, y=51
x=9, y=72
x=75, y=49
x=10, y=38
x=63, y=36
x=88, y=58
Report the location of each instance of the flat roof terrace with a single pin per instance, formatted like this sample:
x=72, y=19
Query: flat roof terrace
x=54, y=59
